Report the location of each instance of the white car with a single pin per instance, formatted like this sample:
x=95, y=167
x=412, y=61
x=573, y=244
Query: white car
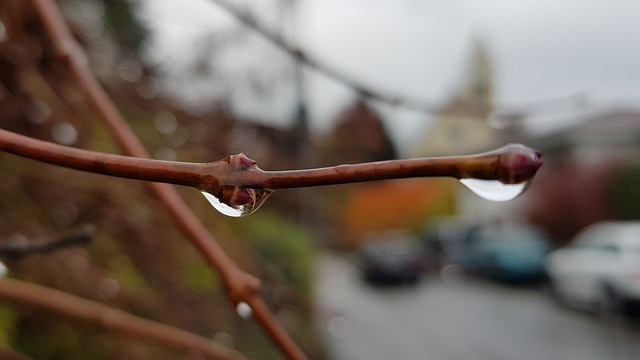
x=600, y=269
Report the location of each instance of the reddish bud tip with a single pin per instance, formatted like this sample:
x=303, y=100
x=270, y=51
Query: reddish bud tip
x=518, y=164
x=243, y=197
x=240, y=162
x=235, y=196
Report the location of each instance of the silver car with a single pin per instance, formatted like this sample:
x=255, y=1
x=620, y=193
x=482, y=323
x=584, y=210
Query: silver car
x=600, y=269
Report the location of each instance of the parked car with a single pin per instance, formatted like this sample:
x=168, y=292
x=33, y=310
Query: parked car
x=392, y=258
x=511, y=253
x=600, y=269
x=450, y=239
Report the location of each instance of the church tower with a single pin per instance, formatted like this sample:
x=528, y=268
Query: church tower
x=461, y=126
x=479, y=86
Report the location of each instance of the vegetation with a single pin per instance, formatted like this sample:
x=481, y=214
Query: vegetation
x=624, y=192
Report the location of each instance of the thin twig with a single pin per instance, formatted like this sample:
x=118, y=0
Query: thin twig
x=113, y=319
x=80, y=237
x=241, y=285
x=510, y=164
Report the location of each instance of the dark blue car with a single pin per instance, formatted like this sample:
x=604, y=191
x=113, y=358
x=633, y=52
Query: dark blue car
x=508, y=253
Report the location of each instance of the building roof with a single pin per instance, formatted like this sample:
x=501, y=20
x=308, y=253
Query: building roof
x=610, y=128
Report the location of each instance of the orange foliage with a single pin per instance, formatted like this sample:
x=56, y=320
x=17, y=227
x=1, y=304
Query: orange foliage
x=394, y=205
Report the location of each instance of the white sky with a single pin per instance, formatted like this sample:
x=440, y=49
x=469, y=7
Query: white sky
x=541, y=49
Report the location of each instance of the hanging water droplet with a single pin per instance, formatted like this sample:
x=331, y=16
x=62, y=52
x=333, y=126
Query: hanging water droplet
x=237, y=201
x=244, y=310
x=494, y=190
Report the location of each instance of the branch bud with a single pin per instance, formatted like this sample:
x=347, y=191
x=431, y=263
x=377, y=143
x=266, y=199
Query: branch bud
x=517, y=163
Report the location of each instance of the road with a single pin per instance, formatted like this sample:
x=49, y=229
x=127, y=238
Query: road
x=458, y=320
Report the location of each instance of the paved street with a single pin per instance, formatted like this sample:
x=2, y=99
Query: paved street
x=459, y=320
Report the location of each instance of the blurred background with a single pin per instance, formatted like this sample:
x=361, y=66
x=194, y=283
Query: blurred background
x=412, y=269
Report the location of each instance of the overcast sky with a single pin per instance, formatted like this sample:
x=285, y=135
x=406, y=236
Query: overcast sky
x=540, y=49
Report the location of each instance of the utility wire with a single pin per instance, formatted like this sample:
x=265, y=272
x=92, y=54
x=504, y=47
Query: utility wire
x=368, y=92
x=297, y=53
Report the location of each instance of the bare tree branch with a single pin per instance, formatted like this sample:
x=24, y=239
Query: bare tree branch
x=510, y=164
x=113, y=319
x=80, y=237
x=241, y=285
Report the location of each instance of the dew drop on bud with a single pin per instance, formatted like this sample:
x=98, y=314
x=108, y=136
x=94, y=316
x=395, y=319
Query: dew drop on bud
x=237, y=201
x=494, y=190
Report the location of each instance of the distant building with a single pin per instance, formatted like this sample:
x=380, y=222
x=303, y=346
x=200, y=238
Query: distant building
x=612, y=134
x=461, y=125
x=461, y=128
x=576, y=185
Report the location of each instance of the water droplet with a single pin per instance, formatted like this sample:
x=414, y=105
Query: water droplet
x=337, y=326
x=494, y=190
x=224, y=339
x=130, y=70
x=108, y=288
x=65, y=133
x=39, y=114
x=3, y=33
x=244, y=310
x=165, y=153
x=3, y=270
x=166, y=123
x=237, y=201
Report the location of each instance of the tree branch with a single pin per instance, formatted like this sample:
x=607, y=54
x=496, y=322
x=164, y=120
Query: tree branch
x=113, y=319
x=511, y=164
x=241, y=285
x=79, y=237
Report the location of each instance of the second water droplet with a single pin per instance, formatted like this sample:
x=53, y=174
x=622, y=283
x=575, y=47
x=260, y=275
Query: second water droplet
x=237, y=201
x=244, y=310
x=494, y=190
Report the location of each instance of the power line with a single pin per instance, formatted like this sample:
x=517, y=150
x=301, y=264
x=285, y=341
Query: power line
x=247, y=19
